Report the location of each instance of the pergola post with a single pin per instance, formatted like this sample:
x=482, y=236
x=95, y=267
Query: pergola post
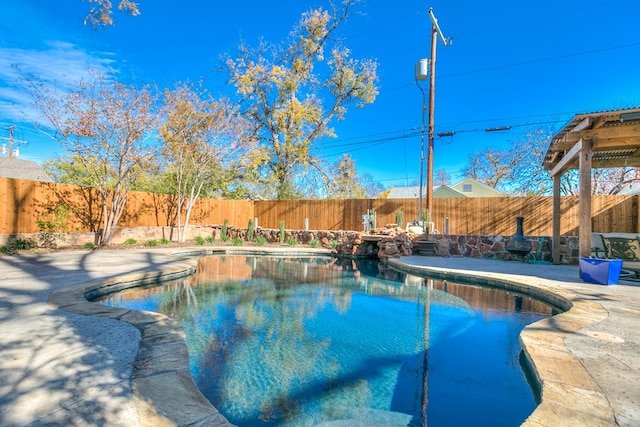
x=605, y=139
x=555, y=241
x=584, y=165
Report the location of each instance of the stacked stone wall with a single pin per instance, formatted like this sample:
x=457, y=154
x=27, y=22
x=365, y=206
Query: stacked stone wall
x=477, y=246
x=390, y=242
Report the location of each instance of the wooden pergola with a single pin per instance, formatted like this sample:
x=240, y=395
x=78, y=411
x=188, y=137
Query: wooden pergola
x=594, y=140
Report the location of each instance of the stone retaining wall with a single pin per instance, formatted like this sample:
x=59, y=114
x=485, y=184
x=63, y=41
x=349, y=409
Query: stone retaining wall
x=494, y=246
x=393, y=242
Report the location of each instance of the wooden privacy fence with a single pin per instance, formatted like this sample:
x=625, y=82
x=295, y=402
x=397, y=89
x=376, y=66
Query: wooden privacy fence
x=23, y=202
x=477, y=216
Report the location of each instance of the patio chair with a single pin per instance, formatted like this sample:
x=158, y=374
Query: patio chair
x=624, y=246
x=597, y=246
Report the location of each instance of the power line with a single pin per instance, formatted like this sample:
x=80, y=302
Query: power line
x=497, y=128
x=517, y=64
x=413, y=132
x=407, y=133
x=536, y=61
x=361, y=145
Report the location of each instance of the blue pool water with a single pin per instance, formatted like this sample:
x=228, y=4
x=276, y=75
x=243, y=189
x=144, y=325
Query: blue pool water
x=306, y=341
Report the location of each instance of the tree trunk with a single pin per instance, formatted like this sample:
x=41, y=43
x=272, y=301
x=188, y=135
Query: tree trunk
x=112, y=213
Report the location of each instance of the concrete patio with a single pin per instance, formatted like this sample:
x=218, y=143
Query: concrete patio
x=65, y=361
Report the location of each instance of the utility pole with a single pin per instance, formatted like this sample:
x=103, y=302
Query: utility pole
x=421, y=73
x=10, y=153
x=435, y=32
x=10, y=129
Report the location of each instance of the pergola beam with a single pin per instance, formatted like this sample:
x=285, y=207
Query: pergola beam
x=624, y=135
x=563, y=164
x=593, y=140
x=615, y=163
x=582, y=125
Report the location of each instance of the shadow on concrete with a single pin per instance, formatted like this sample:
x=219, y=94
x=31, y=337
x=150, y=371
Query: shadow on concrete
x=59, y=367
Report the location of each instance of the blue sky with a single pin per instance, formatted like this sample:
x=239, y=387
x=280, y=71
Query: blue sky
x=511, y=63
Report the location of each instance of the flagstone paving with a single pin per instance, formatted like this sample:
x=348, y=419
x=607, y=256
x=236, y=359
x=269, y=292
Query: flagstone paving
x=65, y=361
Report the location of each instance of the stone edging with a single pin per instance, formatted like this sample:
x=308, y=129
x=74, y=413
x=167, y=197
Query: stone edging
x=165, y=394
x=569, y=394
x=163, y=390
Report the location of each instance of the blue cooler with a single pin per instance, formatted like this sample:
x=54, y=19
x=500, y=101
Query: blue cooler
x=600, y=271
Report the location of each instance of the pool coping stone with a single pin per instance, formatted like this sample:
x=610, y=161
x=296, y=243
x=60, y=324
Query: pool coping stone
x=571, y=354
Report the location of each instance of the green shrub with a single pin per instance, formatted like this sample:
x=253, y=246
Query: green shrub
x=89, y=245
x=164, y=241
x=150, y=243
x=210, y=240
x=251, y=231
x=291, y=241
x=46, y=234
x=130, y=241
x=314, y=243
x=18, y=245
x=334, y=243
x=237, y=241
x=400, y=218
x=23, y=244
x=261, y=240
x=49, y=230
x=426, y=217
x=281, y=234
x=199, y=240
x=224, y=232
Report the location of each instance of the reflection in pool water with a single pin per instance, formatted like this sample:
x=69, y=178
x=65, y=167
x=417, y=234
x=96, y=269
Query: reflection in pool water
x=303, y=341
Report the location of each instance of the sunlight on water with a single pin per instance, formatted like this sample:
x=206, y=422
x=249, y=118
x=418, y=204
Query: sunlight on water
x=306, y=341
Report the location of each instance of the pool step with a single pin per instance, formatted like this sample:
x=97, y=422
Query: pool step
x=364, y=417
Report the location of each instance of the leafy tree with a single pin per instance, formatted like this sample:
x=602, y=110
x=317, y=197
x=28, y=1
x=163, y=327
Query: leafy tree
x=528, y=176
x=101, y=14
x=492, y=167
x=291, y=93
x=344, y=183
x=203, y=138
x=67, y=170
x=105, y=127
x=607, y=181
x=373, y=189
x=516, y=170
x=157, y=179
x=612, y=180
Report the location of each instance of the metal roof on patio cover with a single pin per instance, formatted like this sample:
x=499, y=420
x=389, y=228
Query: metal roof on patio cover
x=592, y=140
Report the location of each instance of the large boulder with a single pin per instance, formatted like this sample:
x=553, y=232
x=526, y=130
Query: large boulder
x=395, y=244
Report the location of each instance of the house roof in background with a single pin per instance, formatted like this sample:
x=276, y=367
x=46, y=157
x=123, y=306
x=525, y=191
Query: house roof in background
x=10, y=167
x=444, y=191
x=406, y=192
x=475, y=189
x=472, y=188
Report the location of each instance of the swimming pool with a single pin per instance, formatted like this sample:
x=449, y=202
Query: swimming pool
x=306, y=341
